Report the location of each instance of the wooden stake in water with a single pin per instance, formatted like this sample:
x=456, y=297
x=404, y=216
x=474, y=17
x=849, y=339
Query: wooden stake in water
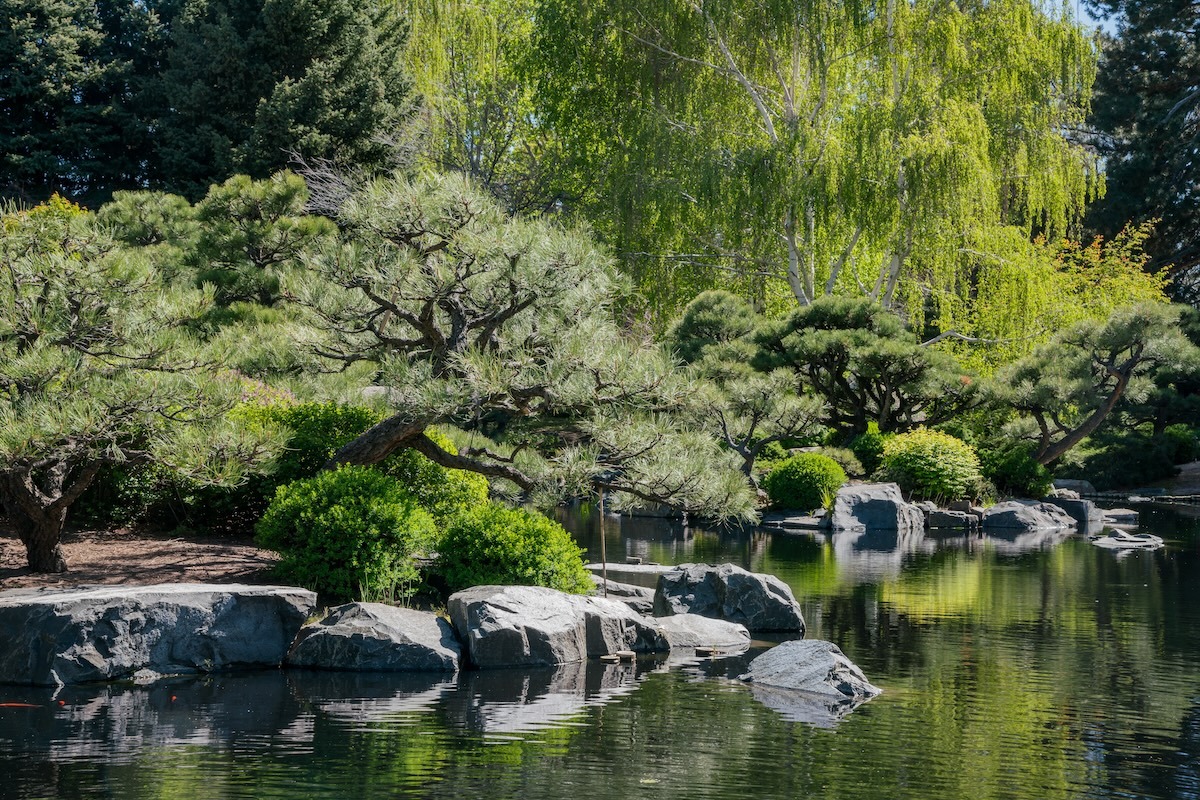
x=603, y=549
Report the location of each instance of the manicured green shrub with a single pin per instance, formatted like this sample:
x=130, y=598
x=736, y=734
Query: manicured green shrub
x=868, y=447
x=805, y=481
x=347, y=533
x=931, y=465
x=492, y=544
x=1014, y=472
x=1181, y=442
x=442, y=492
x=846, y=460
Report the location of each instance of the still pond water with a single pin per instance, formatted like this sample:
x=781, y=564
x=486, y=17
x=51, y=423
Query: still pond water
x=1041, y=667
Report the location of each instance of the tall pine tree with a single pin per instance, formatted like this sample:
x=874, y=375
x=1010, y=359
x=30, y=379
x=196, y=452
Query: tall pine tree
x=1147, y=107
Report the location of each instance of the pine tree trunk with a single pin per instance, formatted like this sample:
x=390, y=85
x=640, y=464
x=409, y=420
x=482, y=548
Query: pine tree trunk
x=41, y=539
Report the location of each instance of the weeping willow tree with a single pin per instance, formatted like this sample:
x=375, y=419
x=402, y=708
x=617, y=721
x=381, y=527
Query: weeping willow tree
x=481, y=116
x=897, y=150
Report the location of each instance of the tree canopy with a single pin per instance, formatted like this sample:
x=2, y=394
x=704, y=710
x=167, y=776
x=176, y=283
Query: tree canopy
x=502, y=326
x=874, y=149
x=1147, y=111
x=96, y=367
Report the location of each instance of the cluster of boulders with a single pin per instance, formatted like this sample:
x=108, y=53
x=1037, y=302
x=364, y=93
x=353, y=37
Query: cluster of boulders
x=881, y=506
x=88, y=634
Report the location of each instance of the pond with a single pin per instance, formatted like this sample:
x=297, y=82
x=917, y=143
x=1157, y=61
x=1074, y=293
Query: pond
x=1035, y=667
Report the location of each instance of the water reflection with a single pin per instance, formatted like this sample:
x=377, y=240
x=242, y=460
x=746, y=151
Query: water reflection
x=367, y=696
x=1012, y=669
x=521, y=701
x=870, y=556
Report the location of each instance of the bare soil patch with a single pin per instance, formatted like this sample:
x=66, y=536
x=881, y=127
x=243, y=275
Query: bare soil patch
x=130, y=556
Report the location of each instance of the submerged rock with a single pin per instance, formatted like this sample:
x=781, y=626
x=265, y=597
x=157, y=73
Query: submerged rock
x=511, y=626
x=810, y=665
x=1027, y=515
x=873, y=506
x=758, y=601
x=104, y=633
x=377, y=637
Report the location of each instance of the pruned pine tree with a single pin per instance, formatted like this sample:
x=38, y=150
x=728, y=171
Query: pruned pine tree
x=1067, y=388
x=742, y=408
x=96, y=368
x=867, y=366
x=502, y=327
x=747, y=410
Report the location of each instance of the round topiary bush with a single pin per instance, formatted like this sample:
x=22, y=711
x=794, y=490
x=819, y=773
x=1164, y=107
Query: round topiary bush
x=347, y=534
x=491, y=544
x=1014, y=472
x=931, y=465
x=443, y=492
x=805, y=481
x=868, y=447
x=845, y=459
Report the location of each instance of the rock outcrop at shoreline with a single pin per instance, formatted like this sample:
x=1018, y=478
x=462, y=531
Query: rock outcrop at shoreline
x=375, y=637
x=105, y=633
x=725, y=591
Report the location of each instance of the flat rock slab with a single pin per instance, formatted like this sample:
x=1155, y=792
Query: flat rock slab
x=811, y=666
x=793, y=521
x=102, y=633
x=725, y=591
x=1120, y=516
x=639, y=598
x=378, y=638
x=635, y=574
x=689, y=631
x=1027, y=515
x=514, y=626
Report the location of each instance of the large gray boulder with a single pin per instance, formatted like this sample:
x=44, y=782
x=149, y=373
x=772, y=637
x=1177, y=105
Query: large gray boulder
x=812, y=666
x=379, y=638
x=515, y=626
x=874, y=506
x=1026, y=515
x=689, y=631
x=1084, y=512
x=103, y=633
x=725, y=591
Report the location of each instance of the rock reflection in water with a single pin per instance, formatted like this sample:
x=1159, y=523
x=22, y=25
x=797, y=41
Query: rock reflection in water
x=1016, y=542
x=871, y=555
x=366, y=696
x=818, y=710
x=520, y=701
x=118, y=722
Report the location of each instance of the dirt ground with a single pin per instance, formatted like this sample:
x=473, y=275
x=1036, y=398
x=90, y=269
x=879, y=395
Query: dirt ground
x=139, y=557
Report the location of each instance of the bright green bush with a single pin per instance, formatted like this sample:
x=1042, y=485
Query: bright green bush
x=805, y=481
x=868, y=447
x=492, y=544
x=931, y=465
x=442, y=492
x=347, y=533
x=845, y=459
x=1014, y=472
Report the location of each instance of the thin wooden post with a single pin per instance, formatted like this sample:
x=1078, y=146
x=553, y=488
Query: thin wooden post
x=603, y=548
